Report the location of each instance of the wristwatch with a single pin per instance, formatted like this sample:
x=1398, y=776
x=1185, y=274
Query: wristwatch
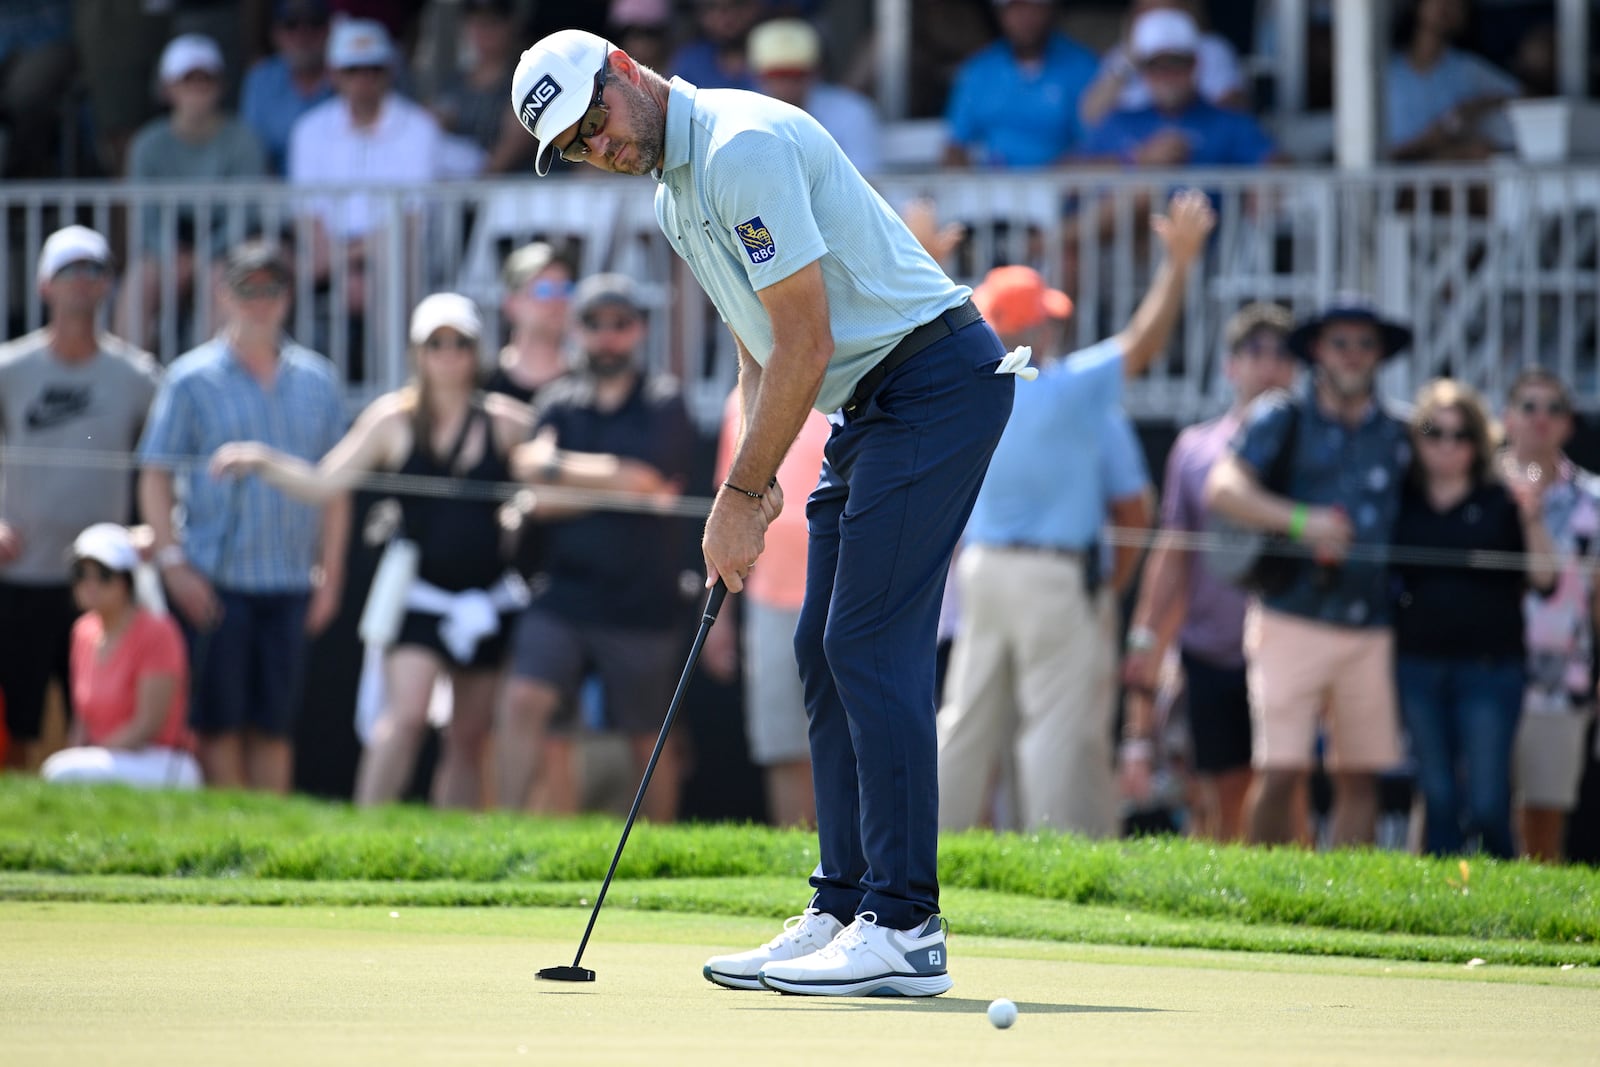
x=1141, y=639
x=168, y=556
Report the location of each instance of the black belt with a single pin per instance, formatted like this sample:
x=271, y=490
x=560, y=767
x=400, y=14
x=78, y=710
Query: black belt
x=1078, y=554
x=957, y=318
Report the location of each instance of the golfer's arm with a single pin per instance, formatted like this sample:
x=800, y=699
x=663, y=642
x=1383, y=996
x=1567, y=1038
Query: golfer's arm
x=1233, y=492
x=786, y=388
x=749, y=385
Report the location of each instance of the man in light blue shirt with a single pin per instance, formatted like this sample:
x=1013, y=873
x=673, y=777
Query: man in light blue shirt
x=291, y=81
x=1032, y=649
x=833, y=305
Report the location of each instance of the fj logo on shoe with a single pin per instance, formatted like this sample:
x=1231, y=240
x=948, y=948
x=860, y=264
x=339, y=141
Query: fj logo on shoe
x=934, y=957
x=756, y=240
x=539, y=97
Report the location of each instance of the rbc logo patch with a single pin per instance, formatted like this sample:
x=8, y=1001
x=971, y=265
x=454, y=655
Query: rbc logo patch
x=756, y=240
x=539, y=97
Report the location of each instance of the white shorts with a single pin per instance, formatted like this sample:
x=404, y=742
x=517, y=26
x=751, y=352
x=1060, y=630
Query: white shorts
x=148, y=768
x=775, y=720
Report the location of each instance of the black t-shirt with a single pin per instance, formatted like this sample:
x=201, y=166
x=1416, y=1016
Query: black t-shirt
x=1459, y=612
x=618, y=568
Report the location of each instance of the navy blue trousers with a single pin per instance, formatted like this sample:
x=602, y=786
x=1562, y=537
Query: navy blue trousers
x=898, y=482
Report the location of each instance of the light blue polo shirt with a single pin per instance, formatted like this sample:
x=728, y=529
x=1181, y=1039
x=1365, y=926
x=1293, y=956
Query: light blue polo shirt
x=752, y=190
x=1048, y=480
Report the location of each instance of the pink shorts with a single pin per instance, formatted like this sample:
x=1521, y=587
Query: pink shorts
x=1302, y=671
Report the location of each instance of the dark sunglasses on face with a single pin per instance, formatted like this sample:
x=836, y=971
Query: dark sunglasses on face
x=615, y=324
x=459, y=342
x=88, y=570
x=371, y=70
x=1364, y=342
x=260, y=290
x=1553, y=408
x=1167, y=64
x=1432, y=432
x=593, y=121
x=83, y=268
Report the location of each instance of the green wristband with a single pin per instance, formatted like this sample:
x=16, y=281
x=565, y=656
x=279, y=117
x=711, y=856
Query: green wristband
x=1297, y=521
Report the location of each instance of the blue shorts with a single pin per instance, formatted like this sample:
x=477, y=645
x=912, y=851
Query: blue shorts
x=245, y=674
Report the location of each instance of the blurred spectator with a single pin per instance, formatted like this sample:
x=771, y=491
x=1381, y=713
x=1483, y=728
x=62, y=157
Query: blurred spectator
x=786, y=59
x=292, y=80
x=1461, y=673
x=450, y=616
x=65, y=389
x=239, y=567
x=1179, y=126
x=1322, y=647
x=642, y=29
x=1182, y=603
x=1440, y=103
x=37, y=63
x=1559, y=705
x=1015, y=103
x=197, y=142
x=538, y=292
x=717, y=56
x=1028, y=673
x=1534, y=63
x=472, y=102
x=610, y=601
x=130, y=677
x=118, y=45
x=398, y=17
x=768, y=611
x=1121, y=86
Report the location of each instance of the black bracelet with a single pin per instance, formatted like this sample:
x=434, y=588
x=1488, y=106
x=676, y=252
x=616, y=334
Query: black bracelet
x=746, y=492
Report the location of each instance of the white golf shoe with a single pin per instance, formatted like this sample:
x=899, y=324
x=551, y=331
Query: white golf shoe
x=868, y=960
x=802, y=935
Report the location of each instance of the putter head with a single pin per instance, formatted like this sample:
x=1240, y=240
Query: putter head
x=566, y=974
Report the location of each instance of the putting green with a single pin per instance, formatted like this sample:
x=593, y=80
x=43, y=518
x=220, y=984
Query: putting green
x=171, y=985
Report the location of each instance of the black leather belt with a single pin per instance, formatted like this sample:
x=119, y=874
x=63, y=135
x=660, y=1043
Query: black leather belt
x=957, y=318
x=1044, y=550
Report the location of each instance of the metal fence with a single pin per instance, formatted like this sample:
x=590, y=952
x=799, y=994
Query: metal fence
x=1495, y=266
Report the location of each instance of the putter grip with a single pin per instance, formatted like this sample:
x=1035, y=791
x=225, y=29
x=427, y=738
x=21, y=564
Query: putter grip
x=714, y=600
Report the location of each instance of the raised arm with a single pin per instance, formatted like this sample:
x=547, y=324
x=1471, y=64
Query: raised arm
x=1182, y=231
x=372, y=443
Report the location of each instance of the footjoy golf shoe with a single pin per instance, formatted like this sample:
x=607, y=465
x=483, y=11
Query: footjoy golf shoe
x=802, y=935
x=868, y=960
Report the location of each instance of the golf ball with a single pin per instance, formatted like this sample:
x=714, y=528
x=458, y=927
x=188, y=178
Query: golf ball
x=1002, y=1013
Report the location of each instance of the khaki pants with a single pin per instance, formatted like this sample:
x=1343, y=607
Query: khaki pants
x=1030, y=677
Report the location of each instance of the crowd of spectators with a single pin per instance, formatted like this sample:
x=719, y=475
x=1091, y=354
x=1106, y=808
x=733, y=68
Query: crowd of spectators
x=560, y=617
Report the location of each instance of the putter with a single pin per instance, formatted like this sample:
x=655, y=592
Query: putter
x=575, y=973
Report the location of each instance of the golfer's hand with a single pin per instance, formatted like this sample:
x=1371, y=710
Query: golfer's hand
x=10, y=543
x=772, y=503
x=735, y=537
x=1186, y=225
x=192, y=596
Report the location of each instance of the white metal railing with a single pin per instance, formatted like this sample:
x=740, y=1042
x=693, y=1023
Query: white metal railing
x=1495, y=266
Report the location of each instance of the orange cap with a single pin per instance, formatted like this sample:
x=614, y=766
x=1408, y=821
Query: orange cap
x=1016, y=298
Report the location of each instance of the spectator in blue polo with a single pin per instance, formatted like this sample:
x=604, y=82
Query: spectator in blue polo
x=1015, y=103
x=282, y=86
x=1179, y=127
x=1324, y=467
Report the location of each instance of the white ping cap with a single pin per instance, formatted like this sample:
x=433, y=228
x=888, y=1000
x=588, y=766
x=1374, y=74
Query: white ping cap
x=445, y=309
x=71, y=244
x=553, y=85
x=187, y=53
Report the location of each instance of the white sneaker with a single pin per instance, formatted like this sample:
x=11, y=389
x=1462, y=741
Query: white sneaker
x=868, y=960
x=802, y=935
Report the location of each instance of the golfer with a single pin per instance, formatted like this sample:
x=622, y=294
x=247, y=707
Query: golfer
x=833, y=305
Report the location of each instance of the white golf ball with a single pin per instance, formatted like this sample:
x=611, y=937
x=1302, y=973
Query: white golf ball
x=1002, y=1013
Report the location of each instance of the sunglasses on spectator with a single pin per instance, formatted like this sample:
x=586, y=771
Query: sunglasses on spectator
x=372, y=70
x=459, y=342
x=593, y=121
x=1262, y=347
x=1363, y=342
x=549, y=289
x=1431, y=432
x=198, y=75
x=83, y=268
x=84, y=570
x=1167, y=63
x=264, y=290
x=609, y=323
x=1552, y=408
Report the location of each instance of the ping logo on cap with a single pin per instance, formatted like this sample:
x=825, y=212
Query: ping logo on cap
x=756, y=239
x=545, y=90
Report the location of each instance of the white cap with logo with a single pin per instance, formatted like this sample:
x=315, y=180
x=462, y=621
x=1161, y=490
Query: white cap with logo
x=553, y=86
x=359, y=43
x=71, y=244
x=445, y=309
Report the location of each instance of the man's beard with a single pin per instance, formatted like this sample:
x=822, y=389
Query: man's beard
x=608, y=366
x=1355, y=385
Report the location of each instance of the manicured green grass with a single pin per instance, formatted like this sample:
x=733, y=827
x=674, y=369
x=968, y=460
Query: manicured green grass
x=250, y=848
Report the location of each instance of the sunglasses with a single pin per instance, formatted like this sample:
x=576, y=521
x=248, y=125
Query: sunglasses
x=85, y=570
x=1264, y=348
x=613, y=324
x=593, y=121
x=83, y=268
x=248, y=290
x=459, y=342
x=549, y=289
x=1167, y=64
x=1430, y=432
x=1364, y=342
x=372, y=70
x=1553, y=408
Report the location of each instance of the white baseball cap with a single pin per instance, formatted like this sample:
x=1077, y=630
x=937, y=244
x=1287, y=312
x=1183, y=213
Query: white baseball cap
x=187, y=53
x=553, y=85
x=109, y=544
x=1164, y=32
x=71, y=244
x=784, y=46
x=359, y=43
x=445, y=309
